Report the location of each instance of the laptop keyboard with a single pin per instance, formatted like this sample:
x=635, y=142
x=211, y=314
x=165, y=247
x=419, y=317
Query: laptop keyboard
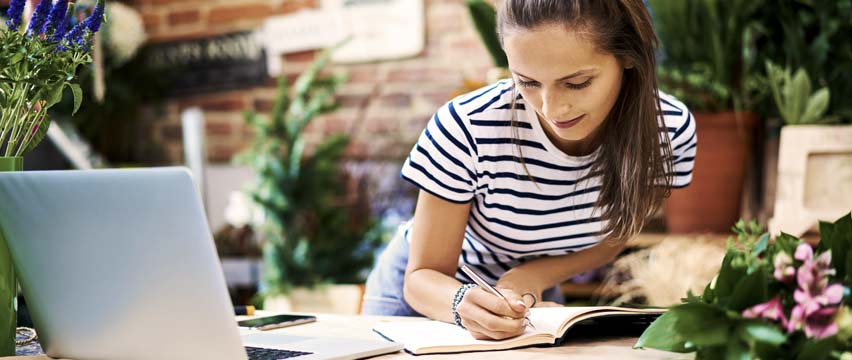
x=272, y=354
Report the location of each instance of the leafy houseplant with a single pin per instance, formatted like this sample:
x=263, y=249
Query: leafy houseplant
x=36, y=64
x=311, y=235
x=778, y=299
x=706, y=63
x=793, y=96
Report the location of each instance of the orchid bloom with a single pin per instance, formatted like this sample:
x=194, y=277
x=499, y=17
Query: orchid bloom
x=784, y=270
x=772, y=310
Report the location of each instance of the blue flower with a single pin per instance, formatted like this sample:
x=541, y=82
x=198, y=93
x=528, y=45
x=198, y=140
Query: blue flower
x=62, y=28
x=39, y=18
x=77, y=35
x=16, y=10
x=93, y=22
x=56, y=17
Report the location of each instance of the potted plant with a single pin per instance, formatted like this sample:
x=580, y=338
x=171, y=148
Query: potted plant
x=806, y=127
x=37, y=63
x=704, y=64
x=771, y=299
x=813, y=39
x=484, y=18
x=313, y=234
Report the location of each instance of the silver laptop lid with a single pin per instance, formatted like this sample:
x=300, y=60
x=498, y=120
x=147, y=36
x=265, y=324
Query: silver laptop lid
x=118, y=264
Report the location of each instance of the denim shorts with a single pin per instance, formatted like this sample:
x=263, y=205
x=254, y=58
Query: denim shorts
x=384, y=295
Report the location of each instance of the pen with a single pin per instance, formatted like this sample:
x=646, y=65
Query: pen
x=481, y=283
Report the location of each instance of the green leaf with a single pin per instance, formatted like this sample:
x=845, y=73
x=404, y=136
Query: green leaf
x=661, y=335
x=761, y=244
x=728, y=277
x=701, y=324
x=78, y=96
x=485, y=20
x=736, y=350
x=749, y=291
x=762, y=331
x=817, y=350
x=39, y=134
x=816, y=106
x=837, y=237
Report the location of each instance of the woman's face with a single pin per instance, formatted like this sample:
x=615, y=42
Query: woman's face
x=570, y=84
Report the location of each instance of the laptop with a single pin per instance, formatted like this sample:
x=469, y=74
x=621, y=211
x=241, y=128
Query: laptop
x=120, y=264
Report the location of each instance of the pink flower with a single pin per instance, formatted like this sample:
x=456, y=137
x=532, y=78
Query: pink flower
x=817, y=325
x=772, y=310
x=784, y=270
x=816, y=300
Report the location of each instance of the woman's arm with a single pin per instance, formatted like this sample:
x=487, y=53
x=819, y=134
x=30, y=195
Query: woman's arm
x=537, y=275
x=430, y=285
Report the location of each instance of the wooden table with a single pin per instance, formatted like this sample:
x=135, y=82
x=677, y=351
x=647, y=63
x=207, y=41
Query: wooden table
x=360, y=327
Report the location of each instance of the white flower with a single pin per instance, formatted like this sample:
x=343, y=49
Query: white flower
x=125, y=32
x=241, y=211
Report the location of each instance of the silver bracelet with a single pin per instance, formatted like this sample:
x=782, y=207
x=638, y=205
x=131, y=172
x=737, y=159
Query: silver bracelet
x=457, y=300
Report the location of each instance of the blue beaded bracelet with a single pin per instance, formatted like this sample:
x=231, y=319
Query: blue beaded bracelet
x=457, y=300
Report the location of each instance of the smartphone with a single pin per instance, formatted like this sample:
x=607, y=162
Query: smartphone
x=276, y=321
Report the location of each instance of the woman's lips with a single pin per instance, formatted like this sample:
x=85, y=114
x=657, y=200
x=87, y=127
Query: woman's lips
x=568, y=123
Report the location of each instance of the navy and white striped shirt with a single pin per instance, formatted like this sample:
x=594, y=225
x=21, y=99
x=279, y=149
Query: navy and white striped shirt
x=467, y=153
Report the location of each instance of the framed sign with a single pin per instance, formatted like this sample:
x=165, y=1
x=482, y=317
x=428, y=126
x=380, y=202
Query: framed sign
x=222, y=62
x=379, y=29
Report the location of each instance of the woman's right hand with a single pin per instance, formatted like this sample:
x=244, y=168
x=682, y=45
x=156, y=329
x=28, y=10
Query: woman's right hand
x=488, y=317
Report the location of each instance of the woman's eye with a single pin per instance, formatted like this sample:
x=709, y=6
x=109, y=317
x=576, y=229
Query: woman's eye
x=527, y=83
x=579, y=86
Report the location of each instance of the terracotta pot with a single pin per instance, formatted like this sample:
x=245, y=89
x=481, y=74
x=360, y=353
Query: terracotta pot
x=711, y=203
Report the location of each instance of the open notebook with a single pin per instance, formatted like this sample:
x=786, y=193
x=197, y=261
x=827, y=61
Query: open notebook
x=551, y=324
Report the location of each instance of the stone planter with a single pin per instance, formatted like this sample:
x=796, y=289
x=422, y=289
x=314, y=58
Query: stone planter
x=814, y=177
x=328, y=299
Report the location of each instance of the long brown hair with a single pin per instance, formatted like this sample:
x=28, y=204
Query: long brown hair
x=635, y=174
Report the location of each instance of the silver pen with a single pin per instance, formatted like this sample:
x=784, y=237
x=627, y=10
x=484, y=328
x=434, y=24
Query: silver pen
x=483, y=284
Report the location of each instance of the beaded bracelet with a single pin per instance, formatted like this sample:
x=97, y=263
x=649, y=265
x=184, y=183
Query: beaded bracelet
x=457, y=300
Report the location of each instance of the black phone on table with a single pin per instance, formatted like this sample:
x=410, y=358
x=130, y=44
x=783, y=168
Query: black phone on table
x=276, y=321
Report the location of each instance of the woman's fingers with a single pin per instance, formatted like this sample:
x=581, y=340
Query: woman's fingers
x=496, y=305
x=481, y=320
x=549, y=304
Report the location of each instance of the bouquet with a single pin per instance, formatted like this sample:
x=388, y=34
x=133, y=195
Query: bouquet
x=37, y=64
x=781, y=299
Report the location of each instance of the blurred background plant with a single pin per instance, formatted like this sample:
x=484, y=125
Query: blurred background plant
x=705, y=61
x=812, y=35
x=796, y=102
x=108, y=115
x=315, y=230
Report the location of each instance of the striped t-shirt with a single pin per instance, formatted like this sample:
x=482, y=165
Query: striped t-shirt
x=468, y=153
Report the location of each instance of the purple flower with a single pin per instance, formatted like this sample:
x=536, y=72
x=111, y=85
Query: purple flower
x=93, y=22
x=62, y=27
x=784, y=270
x=77, y=35
x=772, y=310
x=39, y=18
x=56, y=17
x=816, y=300
x=16, y=10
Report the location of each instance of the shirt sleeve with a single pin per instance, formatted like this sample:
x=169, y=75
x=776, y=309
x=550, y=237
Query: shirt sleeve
x=684, y=143
x=442, y=162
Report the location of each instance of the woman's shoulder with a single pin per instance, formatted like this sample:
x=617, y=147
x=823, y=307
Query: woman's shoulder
x=676, y=115
x=678, y=120
x=492, y=97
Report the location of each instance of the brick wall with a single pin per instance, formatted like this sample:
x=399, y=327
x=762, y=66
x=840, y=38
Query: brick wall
x=383, y=105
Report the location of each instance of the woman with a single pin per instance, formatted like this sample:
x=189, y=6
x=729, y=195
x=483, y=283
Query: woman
x=539, y=177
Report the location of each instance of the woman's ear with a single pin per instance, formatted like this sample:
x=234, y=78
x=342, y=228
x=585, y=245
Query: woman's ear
x=627, y=63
